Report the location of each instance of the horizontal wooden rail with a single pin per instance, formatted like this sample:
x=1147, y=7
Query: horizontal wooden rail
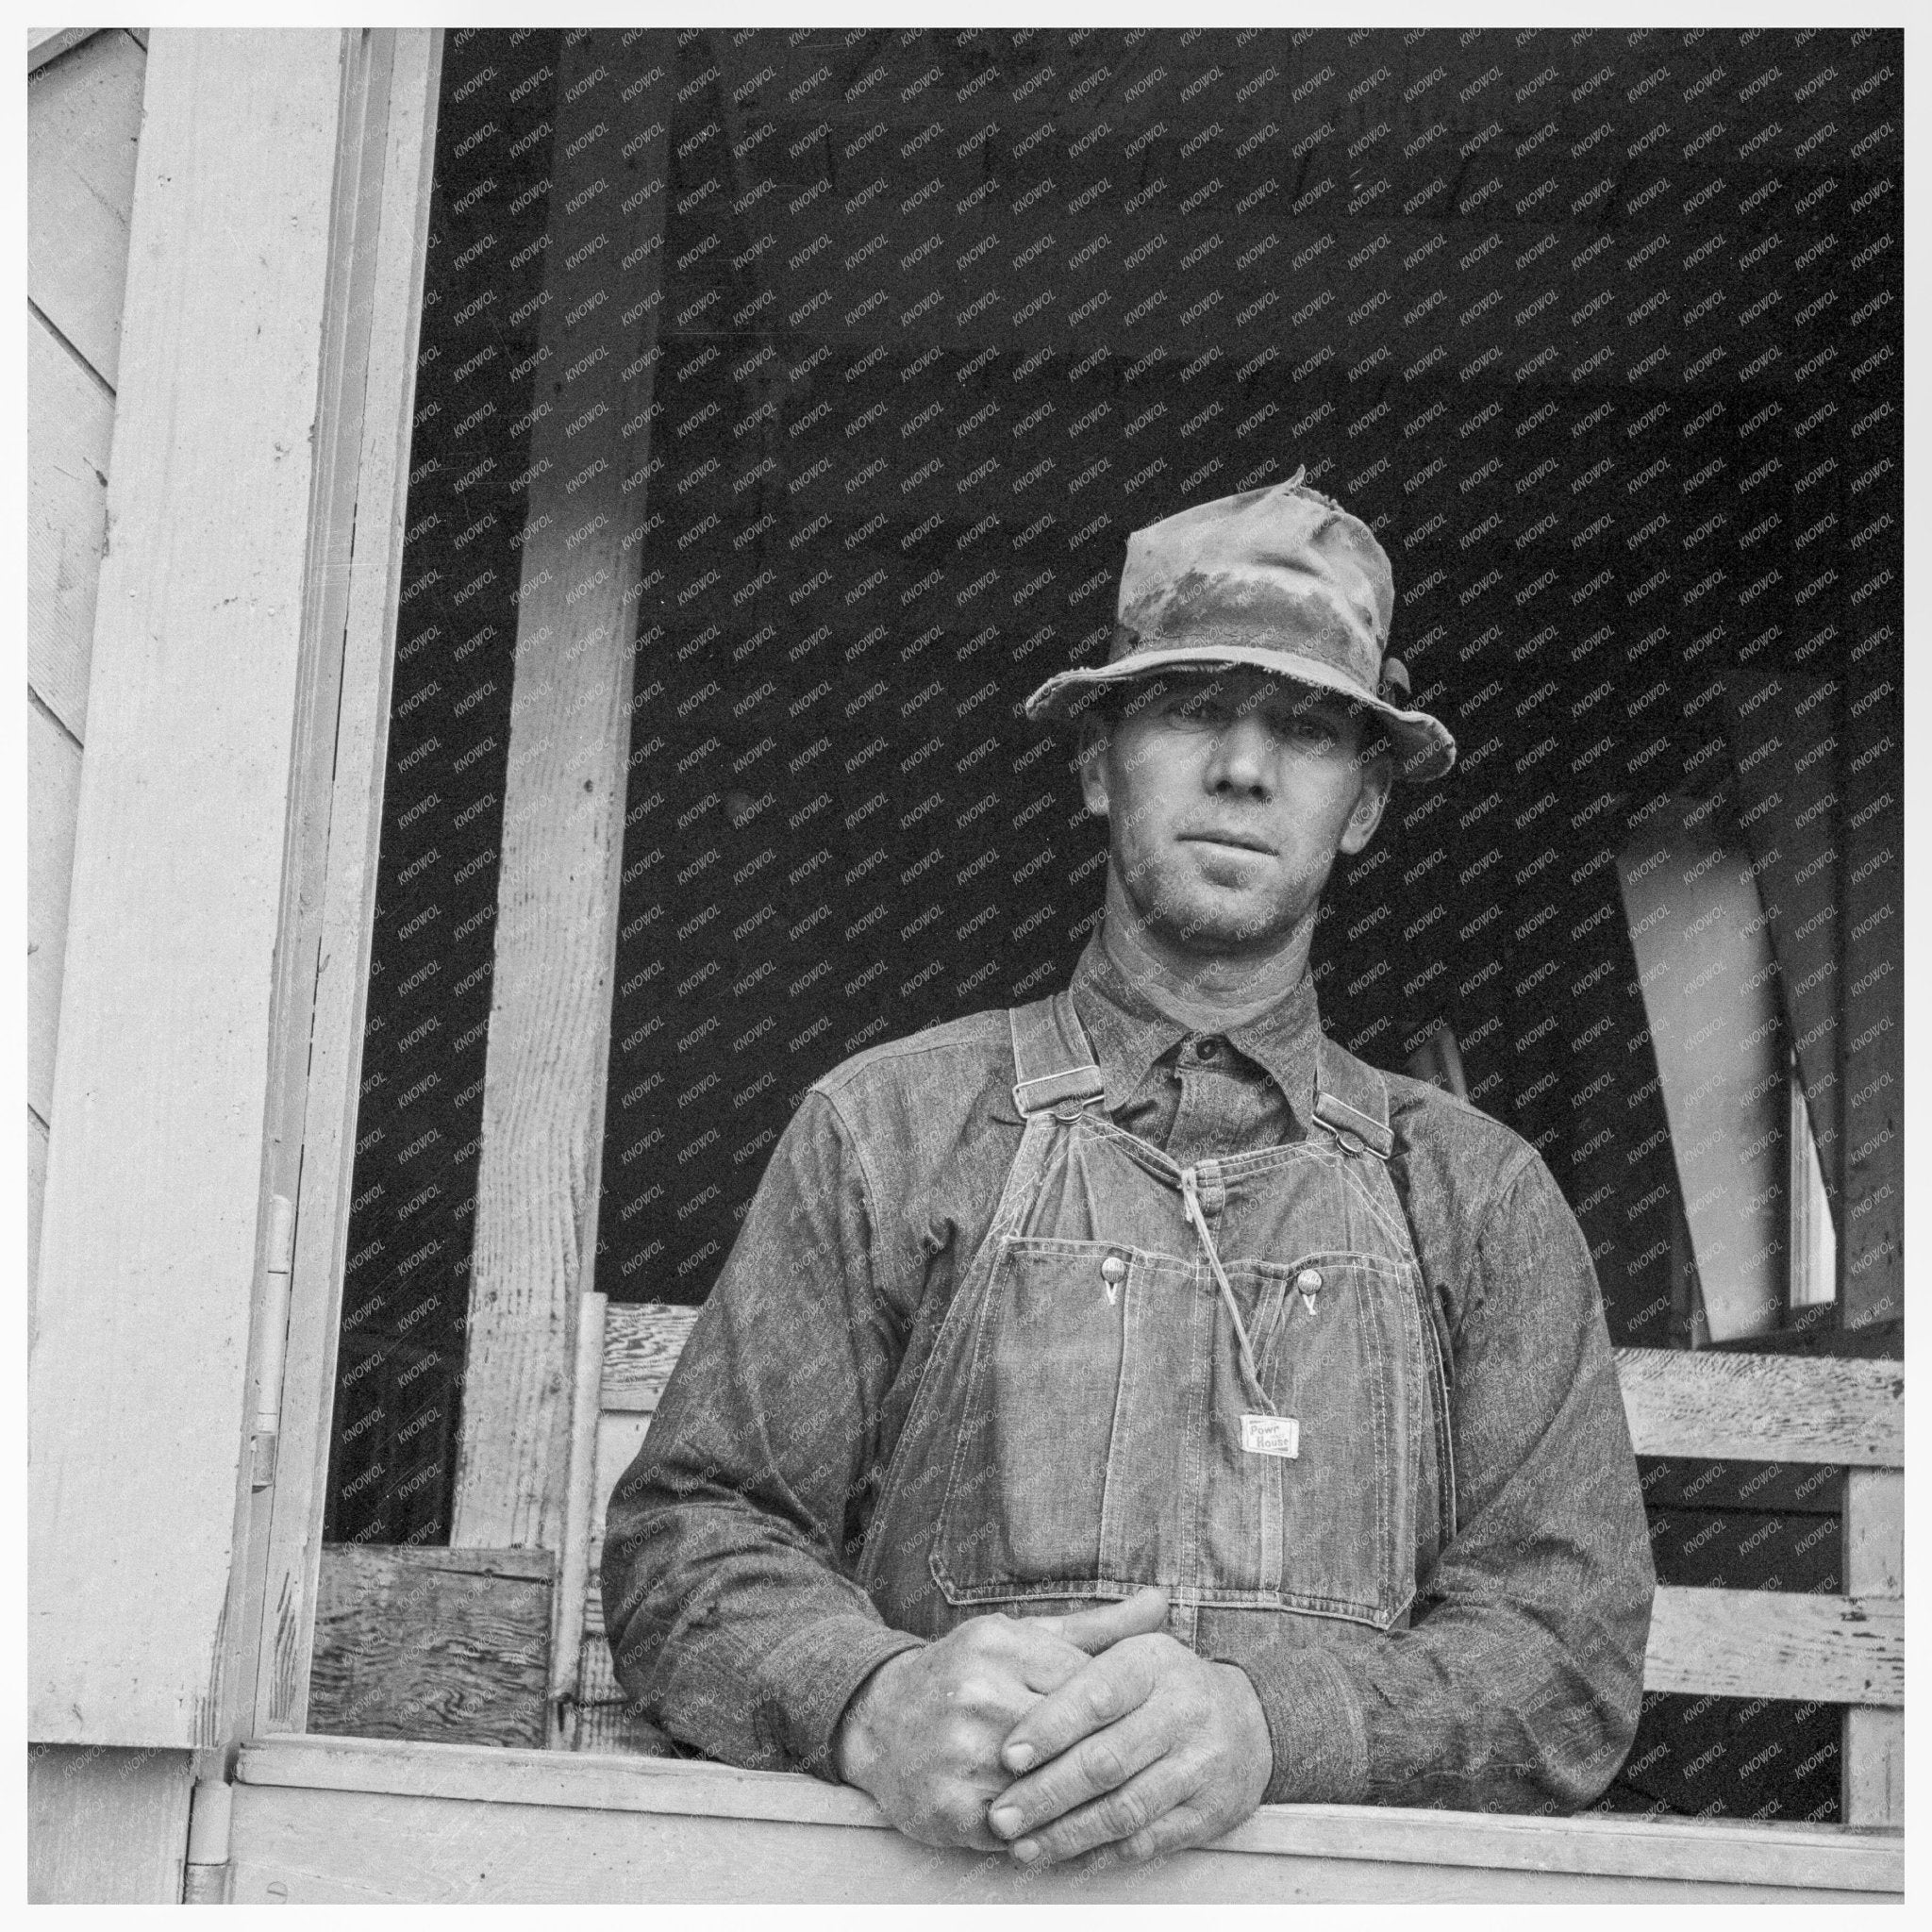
x=1764, y=1408
x=1742, y=1408
x=330, y=1818
x=1777, y=1643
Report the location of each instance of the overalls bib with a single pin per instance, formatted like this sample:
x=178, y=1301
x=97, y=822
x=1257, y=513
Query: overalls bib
x=1219, y=1378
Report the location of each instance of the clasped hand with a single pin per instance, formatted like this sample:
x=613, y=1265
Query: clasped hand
x=1060, y=1736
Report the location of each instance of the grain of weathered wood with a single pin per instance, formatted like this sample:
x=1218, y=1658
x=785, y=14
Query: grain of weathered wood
x=1764, y=1408
x=548, y=1051
x=167, y=1006
x=451, y=1644
x=551, y=1801
x=52, y=796
x=340, y=1847
x=347, y=885
x=1873, y=1749
x=641, y=1342
x=105, y=1826
x=70, y=428
x=1777, y=1643
x=84, y=117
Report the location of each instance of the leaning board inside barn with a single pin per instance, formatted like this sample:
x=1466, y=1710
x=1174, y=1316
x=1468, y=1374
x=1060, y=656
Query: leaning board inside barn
x=784, y=401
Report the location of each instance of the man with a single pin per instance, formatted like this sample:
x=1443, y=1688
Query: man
x=1124, y=1410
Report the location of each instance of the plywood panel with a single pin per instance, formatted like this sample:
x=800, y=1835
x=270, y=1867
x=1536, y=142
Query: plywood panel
x=1874, y=1758
x=105, y=1826
x=445, y=1644
x=166, y=1001
x=52, y=796
x=421, y=1820
x=84, y=115
x=1777, y=1643
x=70, y=425
x=1764, y=1408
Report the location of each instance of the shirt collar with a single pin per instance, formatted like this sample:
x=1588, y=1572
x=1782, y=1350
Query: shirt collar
x=1129, y=1032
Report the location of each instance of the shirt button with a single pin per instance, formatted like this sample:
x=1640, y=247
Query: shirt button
x=1113, y=1271
x=1206, y=1049
x=1309, y=1281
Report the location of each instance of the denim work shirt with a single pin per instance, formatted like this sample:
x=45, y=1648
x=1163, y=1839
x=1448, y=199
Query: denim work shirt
x=740, y=1543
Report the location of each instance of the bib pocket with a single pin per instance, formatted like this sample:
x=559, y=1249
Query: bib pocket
x=1327, y=1529
x=1024, y=1506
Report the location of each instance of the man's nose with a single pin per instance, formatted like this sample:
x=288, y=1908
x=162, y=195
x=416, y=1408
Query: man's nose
x=1241, y=759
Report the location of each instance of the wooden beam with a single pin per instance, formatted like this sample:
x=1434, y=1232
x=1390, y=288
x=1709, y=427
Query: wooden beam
x=1764, y=1408
x=1777, y=1643
x=151, y=1243
x=323, y=1818
x=425, y=1643
x=1873, y=1766
x=321, y=1090
x=548, y=1048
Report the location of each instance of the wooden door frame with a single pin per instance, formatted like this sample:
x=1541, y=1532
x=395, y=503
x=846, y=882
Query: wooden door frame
x=223, y=883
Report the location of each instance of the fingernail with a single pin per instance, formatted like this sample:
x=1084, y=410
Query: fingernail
x=1025, y=1852
x=1021, y=1757
x=1005, y=1821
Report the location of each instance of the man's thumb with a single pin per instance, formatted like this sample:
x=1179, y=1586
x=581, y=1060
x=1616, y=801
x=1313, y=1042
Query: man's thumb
x=1095, y=1630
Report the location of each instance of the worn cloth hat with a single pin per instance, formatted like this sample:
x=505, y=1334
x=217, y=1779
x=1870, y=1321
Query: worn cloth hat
x=1282, y=579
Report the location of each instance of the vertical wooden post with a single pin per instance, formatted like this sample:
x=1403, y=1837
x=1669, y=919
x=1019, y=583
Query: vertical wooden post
x=1873, y=1760
x=564, y=799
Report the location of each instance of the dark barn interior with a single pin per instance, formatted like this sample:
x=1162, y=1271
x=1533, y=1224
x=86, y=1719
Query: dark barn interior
x=1600, y=331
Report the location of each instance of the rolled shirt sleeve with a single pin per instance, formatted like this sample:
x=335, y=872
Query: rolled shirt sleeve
x=1518, y=1684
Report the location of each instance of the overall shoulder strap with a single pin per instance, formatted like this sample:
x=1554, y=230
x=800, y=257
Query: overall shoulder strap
x=1351, y=1100
x=1053, y=1062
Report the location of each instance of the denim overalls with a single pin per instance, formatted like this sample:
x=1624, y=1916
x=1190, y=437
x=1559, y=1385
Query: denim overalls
x=1219, y=1378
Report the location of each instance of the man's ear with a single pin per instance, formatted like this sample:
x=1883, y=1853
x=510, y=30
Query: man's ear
x=1378, y=777
x=1091, y=757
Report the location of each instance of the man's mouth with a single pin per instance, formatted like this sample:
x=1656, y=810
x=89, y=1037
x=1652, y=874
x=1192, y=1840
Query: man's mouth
x=1244, y=841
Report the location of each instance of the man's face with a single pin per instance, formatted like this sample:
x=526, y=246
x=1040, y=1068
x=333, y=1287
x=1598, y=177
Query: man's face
x=1227, y=800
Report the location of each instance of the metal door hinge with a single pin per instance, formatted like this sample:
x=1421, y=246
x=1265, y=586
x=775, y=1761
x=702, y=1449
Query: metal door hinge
x=205, y=1876
x=277, y=1266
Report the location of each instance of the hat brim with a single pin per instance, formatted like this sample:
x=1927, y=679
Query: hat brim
x=1424, y=751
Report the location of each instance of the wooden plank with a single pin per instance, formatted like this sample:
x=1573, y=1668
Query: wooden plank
x=167, y=1010
x=52, y=800
x=574, y=1564
x=70, y=428
x=535, y=1786
x=331, y=1068
x=340, y=1847
x=1764, y=1408
x=105, y=1826
x=641, y=1342
x=451, y=1644
x=1873, y=1766
x=549, y=1051
x=84, y=123
x=1777, y=1643
x=343, y=326
x=1705, y=968
x=45, y=43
